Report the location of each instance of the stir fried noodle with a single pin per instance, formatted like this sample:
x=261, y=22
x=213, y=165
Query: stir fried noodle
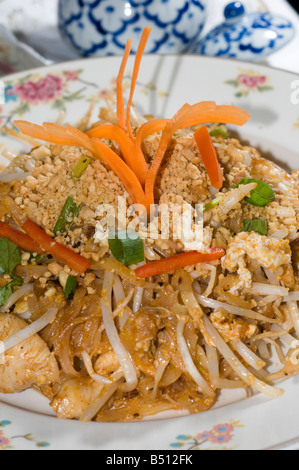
x=146, y=264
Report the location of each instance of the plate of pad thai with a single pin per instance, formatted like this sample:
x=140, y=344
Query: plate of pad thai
x=149, y=251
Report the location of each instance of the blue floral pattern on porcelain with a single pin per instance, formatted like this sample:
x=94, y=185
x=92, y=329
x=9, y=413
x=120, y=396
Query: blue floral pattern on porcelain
x=247, y=37
x=102, y=27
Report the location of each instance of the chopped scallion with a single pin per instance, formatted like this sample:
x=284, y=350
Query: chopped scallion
x=212, y=204
x=70, y=287
x=219, y=131
x=69, y=211
x=256, y=225
x=261, y=196
x=127, y=247
x=81, y=167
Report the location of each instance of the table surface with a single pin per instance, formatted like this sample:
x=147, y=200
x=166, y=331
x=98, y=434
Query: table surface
x=35, y=23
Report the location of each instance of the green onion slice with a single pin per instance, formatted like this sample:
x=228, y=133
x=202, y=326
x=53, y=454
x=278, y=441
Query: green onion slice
x=219, y=131
x=81, y=167
x=127, y=247
x=70, y=287
x=256, y=225
x=212, y=204
x=69, y=211
x=261, y=196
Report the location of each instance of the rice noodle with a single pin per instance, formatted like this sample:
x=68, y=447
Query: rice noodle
x=28, y=331
x=118, y=289
x=137, y=302
x=269, y=299
x=204, y=387
x=17, y=295
x=212, y=281
x=114, y=266
x=158, y=376
x=122, y=354
x=252, y=359
x=236, y=365
x=213, y=364
x=241, y=312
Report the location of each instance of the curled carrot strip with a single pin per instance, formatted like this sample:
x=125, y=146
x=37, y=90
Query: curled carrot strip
x=135, y=163
x=127, y=176
x=139, y=54
x=121, y=119
x=72, y=136
x=189, y=116
x=167, y=265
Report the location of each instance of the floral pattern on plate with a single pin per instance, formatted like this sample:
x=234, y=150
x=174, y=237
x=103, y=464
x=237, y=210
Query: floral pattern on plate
x=34, y=89
x=6, y=443
x=215, y=439
x=58, y=90
x=250, y=81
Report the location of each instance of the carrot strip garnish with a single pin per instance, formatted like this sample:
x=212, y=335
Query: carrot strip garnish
x=167, y=265
x=121, y=119
x=137, y=164
x=42, y=133
x=209, y=156
x=98, y=149
x=20, y=239
x=67, y=256
x=201, y=113
x=206, y=112
x=147, y=129
x=139, y=54
x=125, y=174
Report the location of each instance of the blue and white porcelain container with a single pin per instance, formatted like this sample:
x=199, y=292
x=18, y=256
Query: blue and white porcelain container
x=248, y=37
x=102, y=27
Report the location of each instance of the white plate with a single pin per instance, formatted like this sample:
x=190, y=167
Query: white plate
x=165, y=84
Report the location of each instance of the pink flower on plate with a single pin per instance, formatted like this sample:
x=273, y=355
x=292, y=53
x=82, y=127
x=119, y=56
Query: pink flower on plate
x=3, y=440
x=71, y=75
x=204, y=436
x=42, y=91
x=221, y=438
x=252, y=81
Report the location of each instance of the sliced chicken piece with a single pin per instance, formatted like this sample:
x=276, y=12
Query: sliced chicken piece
x=30, y=363
x=106, y=363
x=74, y=397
